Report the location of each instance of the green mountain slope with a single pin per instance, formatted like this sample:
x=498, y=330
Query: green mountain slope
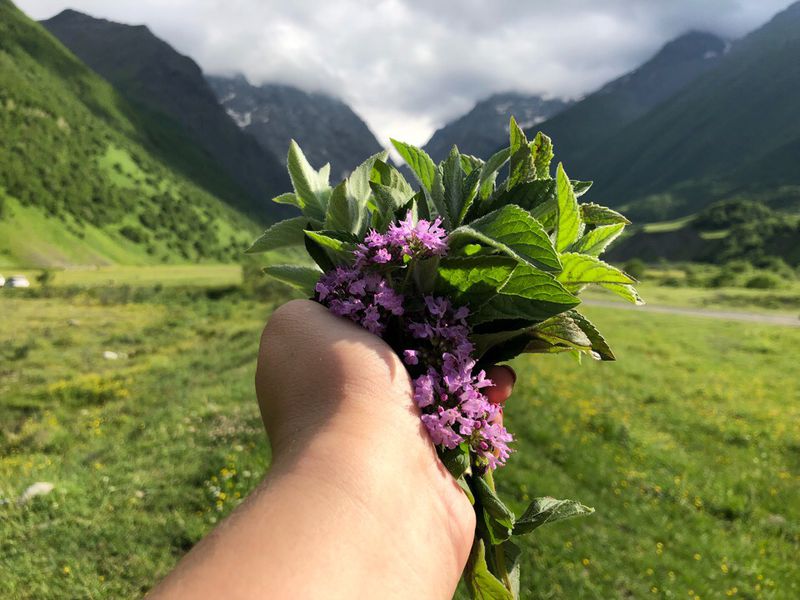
x=79, y=170
x=581, y=132
x=733, y=131
x=170, y=90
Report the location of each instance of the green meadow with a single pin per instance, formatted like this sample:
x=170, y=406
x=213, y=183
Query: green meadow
x=688, y=446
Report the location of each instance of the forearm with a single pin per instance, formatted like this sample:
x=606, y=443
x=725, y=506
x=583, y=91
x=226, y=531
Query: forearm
x=312, y=531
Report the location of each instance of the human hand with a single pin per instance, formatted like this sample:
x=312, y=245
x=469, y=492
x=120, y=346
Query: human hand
x=337, y=404
x=356, y=503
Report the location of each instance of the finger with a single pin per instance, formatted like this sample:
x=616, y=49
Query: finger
x=503, y=378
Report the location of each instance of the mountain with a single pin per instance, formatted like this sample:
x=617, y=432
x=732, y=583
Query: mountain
x=582, y=131
x=171, y=90
x=733, y=131
x=82, y=181
x=326, y=128
x=484, y=128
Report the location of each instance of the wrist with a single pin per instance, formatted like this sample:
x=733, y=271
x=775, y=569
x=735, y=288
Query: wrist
x=399, y=513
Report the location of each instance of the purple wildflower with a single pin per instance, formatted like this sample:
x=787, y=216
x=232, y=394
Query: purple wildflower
x=426, y=237
x=365, y=298
x=448, y=391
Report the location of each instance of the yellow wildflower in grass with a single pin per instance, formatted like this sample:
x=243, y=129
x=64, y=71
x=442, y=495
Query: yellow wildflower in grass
x=66, y=570
x=659, y=548
x=723, y=567
x=585, y=562
x=697, y=556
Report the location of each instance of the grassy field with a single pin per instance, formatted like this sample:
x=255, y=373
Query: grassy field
x=688, y=446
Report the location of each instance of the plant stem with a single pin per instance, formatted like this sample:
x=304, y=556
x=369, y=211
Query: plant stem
x=498, y=554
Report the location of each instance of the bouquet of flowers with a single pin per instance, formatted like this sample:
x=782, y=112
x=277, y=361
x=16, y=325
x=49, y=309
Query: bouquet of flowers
x=458, y=275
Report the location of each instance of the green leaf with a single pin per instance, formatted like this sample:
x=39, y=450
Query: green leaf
x=521, y=163
x=389, y=198
x=291, y=199
x=542, y=147
x=437, y=203
x=548, y=510
x=581, y=269
x=302, y=278
x=480, y=581
x=595, y=242
x=453, y=181
x=581, y=187
x=529, y=296
x=310, y=186
x=425, y=273
x=386, y=174
x=562, y=329
x=473, y=280
x=515, y=232
x=320, y=254
x=511, y=559
x=538, y=197
x=491, y=503
x=569, y=331
x=516, y=137
x=470, y=163
x=470, y=193
x=599, y=344
x=489, y=171
x=456, y=460
x=343, y=213
x=419, y=162
x=390, y=192
x=594, y=214
x=628, y=292
x=280, y=235
x=358, y=187
x=338, y=241
x=462, y=483
x=568, y=224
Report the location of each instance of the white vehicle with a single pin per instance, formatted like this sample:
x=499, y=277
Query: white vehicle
x=17, y=281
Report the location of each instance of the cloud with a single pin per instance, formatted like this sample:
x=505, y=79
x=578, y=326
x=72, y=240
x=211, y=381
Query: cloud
x=408, y=66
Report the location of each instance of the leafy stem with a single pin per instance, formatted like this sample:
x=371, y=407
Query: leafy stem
x=497, y=552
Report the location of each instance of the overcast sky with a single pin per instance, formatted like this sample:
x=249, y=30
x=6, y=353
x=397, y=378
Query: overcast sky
x=408, y=66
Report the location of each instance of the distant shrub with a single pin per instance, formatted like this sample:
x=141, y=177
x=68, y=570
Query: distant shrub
x=764, y=281
x=738, y=266
x=726, y=214
x=45, y=278
x=635, y=267
x=776, y=265
x=673, y=282
x=134, y=234
x=724, y=278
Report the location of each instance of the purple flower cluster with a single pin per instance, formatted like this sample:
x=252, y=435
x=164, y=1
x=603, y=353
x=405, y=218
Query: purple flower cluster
x=401, y=240
x=363, y=297
x=454, y=410
x=448, y=392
